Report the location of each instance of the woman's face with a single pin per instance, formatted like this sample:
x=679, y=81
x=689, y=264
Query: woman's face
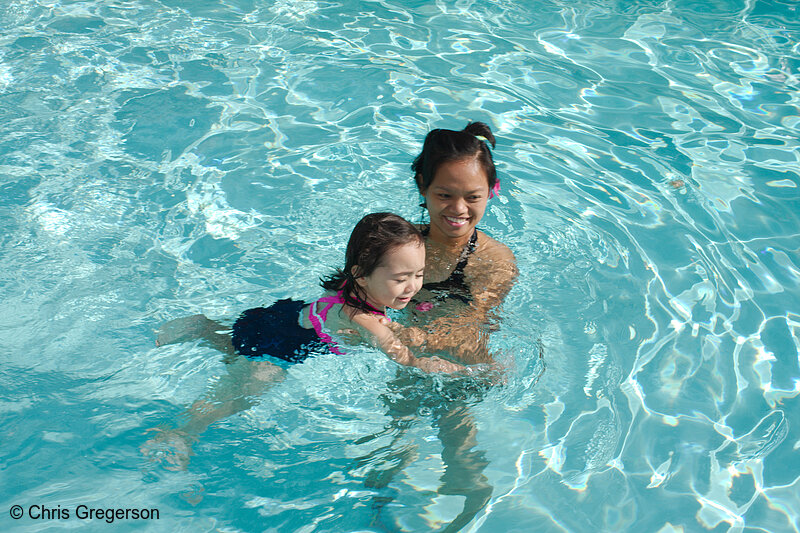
x=456, y=199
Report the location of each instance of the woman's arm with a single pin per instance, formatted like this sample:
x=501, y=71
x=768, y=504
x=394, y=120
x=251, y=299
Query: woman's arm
x=490, y=274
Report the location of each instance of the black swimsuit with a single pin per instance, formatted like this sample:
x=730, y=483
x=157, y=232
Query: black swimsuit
x=275, y=331
x=455, y=286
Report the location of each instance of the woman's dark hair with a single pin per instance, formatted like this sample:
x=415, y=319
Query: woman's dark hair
x=374, y=236
x=442, y=146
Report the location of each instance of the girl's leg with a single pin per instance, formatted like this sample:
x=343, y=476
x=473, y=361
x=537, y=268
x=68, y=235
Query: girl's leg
x=233, y=392
x=188, y=328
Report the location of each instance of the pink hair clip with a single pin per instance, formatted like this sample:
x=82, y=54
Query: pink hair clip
x=495, y=190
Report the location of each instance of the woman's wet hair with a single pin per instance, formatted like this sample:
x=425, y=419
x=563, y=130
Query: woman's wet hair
x=442, y=146
x=374, y=236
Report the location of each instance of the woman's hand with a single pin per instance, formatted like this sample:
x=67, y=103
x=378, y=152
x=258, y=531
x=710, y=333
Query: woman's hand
x=446, y=334
x=437, y=364
x=459, y=337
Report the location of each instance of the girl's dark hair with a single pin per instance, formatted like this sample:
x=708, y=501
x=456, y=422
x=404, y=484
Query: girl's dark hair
x=442, y=146
x=374, y=236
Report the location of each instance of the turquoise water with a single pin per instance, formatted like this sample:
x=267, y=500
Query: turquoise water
x=165, y=158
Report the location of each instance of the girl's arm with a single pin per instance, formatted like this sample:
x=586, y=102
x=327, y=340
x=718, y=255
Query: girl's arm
x=385, y=339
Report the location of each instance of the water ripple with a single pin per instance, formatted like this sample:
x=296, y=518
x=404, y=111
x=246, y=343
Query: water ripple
x=160, y=158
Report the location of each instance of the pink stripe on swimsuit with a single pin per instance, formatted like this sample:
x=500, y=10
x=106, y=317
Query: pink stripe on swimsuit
x=317, y=319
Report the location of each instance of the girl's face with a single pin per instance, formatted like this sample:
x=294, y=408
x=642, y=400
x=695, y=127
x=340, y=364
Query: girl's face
x=456, y=199
x=397, y=278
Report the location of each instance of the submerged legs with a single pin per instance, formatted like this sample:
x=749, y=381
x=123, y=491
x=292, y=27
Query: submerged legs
x=237, y=390
x=463, y=464
x=189, y=328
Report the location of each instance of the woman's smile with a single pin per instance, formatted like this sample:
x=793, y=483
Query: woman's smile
x=456, y=222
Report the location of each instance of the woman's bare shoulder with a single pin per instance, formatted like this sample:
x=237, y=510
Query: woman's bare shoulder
x=492, y=273
x=492, y=250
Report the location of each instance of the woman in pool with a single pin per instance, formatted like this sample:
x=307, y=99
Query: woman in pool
x=467, y=273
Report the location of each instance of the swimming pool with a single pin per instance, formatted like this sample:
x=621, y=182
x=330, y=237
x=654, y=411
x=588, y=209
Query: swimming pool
x=164, y=158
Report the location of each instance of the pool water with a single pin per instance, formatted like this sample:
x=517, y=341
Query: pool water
x=162, y=158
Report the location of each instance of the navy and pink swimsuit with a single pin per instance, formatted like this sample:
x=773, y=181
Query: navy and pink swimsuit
x=277, y=331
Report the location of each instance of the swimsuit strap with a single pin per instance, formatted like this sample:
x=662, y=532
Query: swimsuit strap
x=466, y=252
x=339, y=299
x=376, y=312
x=317, y=319
x=468, y=249
x=330, y=300
x=320, y=318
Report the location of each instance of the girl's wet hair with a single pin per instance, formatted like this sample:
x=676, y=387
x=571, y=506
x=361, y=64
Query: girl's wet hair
x=442, y=146
x=374, y=236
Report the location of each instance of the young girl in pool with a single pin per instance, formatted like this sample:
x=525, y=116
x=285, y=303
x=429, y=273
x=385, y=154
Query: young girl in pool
x=384, y=265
